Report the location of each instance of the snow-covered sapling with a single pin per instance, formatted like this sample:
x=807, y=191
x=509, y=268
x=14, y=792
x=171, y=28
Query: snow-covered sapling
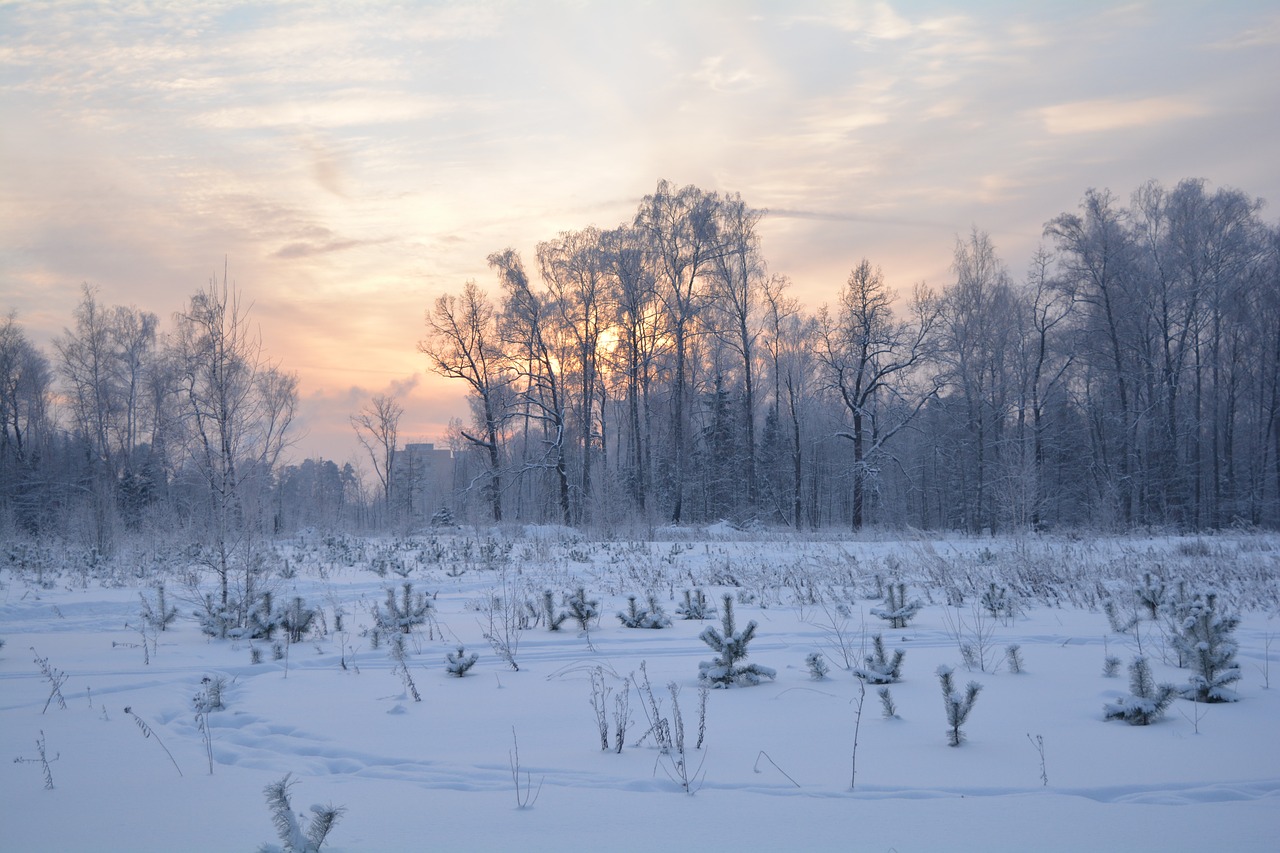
x=958, y=706
x=158, y=614
x=554, y=619
x=817, y=665
x=582, y=609
x=695, y=605
x=880, y=668
x=458, y=662
x=887, y=707
x=725, y=670
x=1147, y=700
x=897, y=611
x=403, y=613
x=1013, y=657
x=998, y=601
x=1150, y=595
x=297, y=618
x=293, y=838
x=1207, y=644
x=651, y=616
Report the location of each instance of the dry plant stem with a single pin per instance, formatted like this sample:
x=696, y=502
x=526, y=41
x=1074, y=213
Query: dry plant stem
x=527, y=797
x=147, y=732
x=756, y=767
x=43, y=760
x=1037, y=743
x=857, y=726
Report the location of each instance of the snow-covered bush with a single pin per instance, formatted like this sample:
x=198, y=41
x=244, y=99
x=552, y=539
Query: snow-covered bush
x=297, y=619
x=158, y=614
x=403, y=613
x=554, y=619
x=958, y=706
x=581, y=608
x=880, y=668
x=1147, y=700
x=897, y=611
x=817, y=666
x=695, y=605
x=1207, y=644
x=998, y=601
x=731, y=644
x=652, y=616
x=458, y=662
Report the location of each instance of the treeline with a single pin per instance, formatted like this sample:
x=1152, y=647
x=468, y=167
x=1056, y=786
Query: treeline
x=660, y=372
x=1129, y=377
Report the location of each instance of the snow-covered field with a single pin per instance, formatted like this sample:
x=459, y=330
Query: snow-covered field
x=776, y=769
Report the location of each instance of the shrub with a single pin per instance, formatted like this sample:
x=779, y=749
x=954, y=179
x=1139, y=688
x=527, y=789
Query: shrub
x=817, y=665
x=404, y=613
x=582, y=609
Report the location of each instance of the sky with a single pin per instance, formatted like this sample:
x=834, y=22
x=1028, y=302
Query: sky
x=350, y=162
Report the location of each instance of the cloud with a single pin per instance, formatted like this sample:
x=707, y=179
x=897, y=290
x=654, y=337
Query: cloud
x=307, y=250
x=1116, y=114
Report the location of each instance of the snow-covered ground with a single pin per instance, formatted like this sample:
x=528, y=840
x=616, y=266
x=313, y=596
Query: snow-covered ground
x=776, y=769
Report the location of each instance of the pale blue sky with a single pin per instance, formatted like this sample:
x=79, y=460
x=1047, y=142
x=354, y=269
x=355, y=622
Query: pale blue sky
x=355, y=160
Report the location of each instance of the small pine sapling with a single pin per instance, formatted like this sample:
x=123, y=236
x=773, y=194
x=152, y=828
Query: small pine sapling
x=651, y=616
x=1147, y=700
x=1013, y=657
x=1207, y=644
x=297, y=619
x=817, y=666
x=404, y=613
x=887, y=707
x=1150, y=595
x=401, y=656
x=582, y=609
x=725, y=670
x=263, y=619
x=897, y=611
x=458, y=662
x=958, y=706
x=998, y=601
x=694, y=606
x=554, y=619
x=880, y=668
x=1120, y=623
x=293, y=838
x=158, y=614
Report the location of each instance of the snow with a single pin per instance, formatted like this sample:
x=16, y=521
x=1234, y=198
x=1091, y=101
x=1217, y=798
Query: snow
x=775, y=771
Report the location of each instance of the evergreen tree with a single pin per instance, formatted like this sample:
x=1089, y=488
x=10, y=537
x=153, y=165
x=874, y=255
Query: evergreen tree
x=726, y=670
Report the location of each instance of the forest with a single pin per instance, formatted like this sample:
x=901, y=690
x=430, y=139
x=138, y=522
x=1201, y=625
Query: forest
x=661, y=372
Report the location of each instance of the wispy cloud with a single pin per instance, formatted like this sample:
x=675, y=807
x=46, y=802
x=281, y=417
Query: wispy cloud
x=1117, y=114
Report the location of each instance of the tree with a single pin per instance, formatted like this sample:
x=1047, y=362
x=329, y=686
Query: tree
x=868, y=357
x=26, y=424
x=462, y=343
x=377, y=426
x=736, y=278
x=526, y=327
x=681, y=229
x=238, y=407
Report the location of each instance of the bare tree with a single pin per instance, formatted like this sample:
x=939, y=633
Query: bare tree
x=868, y=357
x=736, y=280
x=377, y=427
x=681, y=228
x=462, y=343
x=238, y=407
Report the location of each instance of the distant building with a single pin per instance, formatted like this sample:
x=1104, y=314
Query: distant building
x=424, y=480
